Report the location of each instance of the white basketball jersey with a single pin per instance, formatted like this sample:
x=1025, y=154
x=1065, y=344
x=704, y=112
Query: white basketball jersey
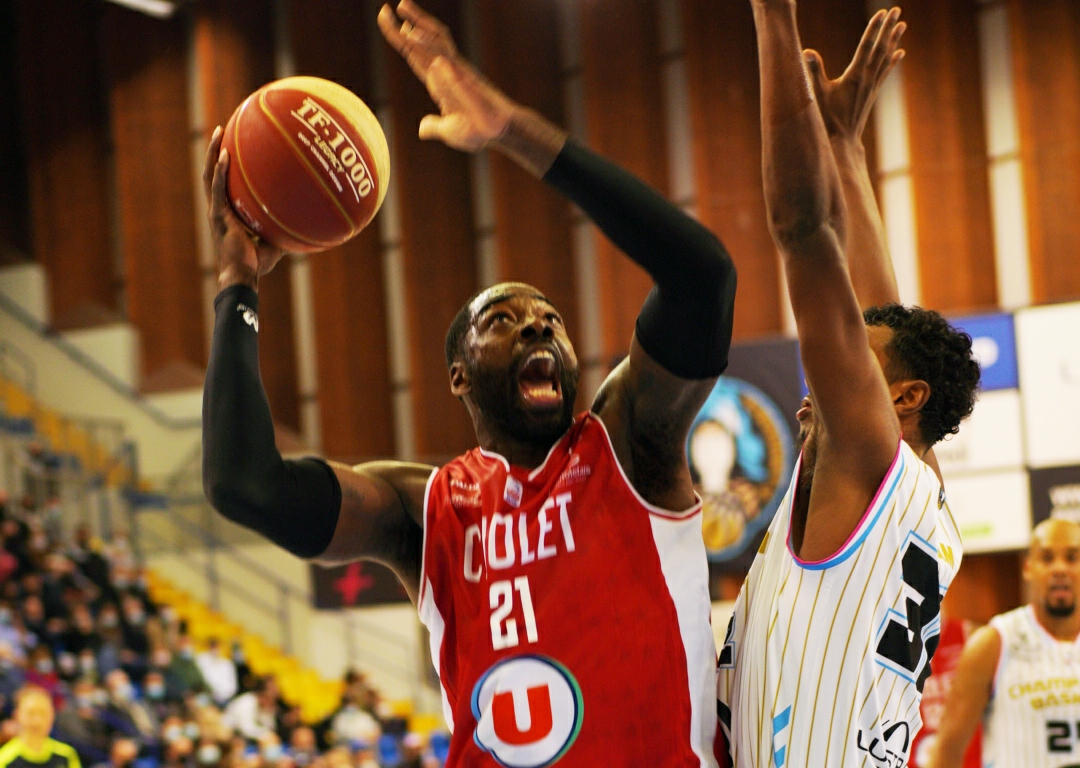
x=1034, y=715
x=824, y=662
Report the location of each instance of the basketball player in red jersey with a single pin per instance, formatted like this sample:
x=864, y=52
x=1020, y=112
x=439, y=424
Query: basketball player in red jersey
x=560, y=565
x=835, y=625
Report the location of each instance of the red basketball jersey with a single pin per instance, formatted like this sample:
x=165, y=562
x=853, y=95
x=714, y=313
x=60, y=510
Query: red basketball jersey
x=569, y=617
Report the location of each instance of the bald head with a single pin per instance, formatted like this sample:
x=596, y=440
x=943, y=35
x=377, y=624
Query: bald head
x=1052, y=567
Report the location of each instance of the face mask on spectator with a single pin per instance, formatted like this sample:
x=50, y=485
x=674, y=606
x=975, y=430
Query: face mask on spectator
x=124, y=692
x=172, y=733
x=44, y=666
x=191, y=730
x=109, y=620
x=101, y=698
x=272, y=753
x=68, y=664
x=186, y=652
x=135, y=618
x=161, y=659
x=209, y=754
x=87, y=662
x=302, y=758
x=5, y=616
x=84, y=701
x=155, y=691
x=202, y=700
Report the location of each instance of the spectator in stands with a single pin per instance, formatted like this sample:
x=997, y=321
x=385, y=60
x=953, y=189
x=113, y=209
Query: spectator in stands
x=80, y=723
x=182, y=667
x=125, y=713
x=16, y=539
x=134, y=624
x=33, y=616
x=302, y=746
x=12, y=676
x=218, y=671
x=122, y=754
x=41, y=673
x=85, y=552
x=81, y=634
x=33, y=748
x=254, y=714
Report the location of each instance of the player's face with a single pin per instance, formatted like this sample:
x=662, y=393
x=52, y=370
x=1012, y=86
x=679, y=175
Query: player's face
x=1052, y=568
x=521, y=365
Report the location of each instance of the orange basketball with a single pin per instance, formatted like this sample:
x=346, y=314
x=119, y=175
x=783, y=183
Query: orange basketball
x=308, y=163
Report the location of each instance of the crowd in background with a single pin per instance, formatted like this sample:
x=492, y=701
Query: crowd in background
x=130, y=689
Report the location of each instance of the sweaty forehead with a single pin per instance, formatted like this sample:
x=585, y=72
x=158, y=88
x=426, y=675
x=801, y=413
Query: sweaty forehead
x=505, y=292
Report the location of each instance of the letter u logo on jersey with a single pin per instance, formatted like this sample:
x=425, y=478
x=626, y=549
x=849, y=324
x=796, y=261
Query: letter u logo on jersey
x=528, y=711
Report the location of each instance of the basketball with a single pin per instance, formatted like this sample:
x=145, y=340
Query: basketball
x=308, y=164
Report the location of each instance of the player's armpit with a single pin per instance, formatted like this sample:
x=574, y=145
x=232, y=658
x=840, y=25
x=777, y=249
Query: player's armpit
x=381, y=517
x=972, y=685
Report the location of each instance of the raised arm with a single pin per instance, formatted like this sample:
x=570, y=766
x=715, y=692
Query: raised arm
x=965, y=703
x=309, y=507
x=845, y=105
x=684, y=329
x=858, y=431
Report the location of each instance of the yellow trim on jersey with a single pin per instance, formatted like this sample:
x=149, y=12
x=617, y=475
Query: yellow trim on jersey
x=17, y=748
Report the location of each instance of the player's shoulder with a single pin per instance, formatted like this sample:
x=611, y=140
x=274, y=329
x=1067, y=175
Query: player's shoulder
x=63, y=750
x=10, y=751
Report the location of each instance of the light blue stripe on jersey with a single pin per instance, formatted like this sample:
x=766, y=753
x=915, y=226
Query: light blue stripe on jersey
x=853, y=546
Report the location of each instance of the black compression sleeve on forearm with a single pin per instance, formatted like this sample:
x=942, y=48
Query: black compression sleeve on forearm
x=685, y=323
x=295, y=504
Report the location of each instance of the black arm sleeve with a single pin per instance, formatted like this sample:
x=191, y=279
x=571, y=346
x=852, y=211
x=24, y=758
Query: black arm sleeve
x=685, y=323
x=295, y=504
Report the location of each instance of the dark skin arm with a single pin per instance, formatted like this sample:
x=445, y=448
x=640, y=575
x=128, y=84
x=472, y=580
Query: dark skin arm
x=972, y=686
x=858, y=430
x=646, y=409
x=381, y=513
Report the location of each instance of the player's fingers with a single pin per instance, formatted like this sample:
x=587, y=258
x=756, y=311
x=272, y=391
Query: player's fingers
x=211, y=160
x=219, y=203
x=888, y=53
x=431, y=127
x=390, y=27
x=879, y=52
x=869, y=38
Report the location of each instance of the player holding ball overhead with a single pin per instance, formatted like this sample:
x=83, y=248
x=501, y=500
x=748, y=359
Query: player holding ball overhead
x=560, y=565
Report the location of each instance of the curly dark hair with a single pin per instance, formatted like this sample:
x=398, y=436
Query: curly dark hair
x=924, y=346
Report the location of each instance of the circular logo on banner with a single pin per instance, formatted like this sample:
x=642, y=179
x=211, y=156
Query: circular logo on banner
x=528, y=711
x=741, y=454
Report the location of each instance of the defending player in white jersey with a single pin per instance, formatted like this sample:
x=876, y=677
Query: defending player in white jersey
x=834, y=628
x=1020, y=674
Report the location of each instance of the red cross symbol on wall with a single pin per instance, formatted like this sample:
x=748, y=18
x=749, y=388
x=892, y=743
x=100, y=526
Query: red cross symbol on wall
x=352, y=583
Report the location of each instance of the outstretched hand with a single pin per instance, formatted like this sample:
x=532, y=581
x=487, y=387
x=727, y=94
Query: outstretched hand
x=845, y=102
x=472, y=112
x=242, y=257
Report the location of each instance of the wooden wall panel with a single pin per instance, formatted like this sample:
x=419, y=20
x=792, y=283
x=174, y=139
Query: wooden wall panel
x=625, y=118
x=14, y=207
x=1046, y=49
x=438, y=250
x=65, y=122
x=148, y=95
x=985, y=585
x=347, y=283
x=949, y=167
x=234, y=44
x=722, y=83
x=520, y=53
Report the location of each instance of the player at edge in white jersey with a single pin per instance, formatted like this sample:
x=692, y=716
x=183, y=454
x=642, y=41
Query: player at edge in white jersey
x=830, y=642
x=1020, y=675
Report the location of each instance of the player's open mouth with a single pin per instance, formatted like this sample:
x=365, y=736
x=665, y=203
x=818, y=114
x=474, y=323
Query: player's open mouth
x=539, y=380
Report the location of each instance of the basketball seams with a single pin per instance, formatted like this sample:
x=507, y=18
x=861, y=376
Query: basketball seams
x=312, y=171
